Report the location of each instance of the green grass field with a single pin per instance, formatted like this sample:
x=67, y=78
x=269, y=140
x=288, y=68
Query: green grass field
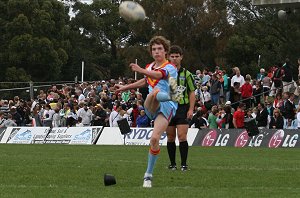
x=77, y=171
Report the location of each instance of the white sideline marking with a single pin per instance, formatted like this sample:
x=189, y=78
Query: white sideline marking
x=28, y=186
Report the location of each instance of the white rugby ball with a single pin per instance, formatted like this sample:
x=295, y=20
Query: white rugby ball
x=131, y=11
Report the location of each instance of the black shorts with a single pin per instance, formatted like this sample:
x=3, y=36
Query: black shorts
x=180, y=116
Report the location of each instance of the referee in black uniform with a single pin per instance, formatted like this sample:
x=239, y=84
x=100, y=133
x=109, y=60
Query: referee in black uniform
x=184, y=112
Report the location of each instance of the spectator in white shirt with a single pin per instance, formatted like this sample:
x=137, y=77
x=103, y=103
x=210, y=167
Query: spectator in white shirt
x=48, y=115
x=115, y=116
x=298, y=117
x=81, y=97
x=56, y=120
x=9, y=122
x=237, y=78
x=86, y=114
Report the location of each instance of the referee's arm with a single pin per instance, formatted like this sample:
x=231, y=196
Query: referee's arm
x=192, y=96
x=192, y=100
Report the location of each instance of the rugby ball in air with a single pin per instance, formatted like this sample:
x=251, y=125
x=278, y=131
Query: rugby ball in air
x=131, y=11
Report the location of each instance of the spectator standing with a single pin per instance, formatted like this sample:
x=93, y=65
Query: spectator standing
x=288, y=107
x=257, y=93
x=56, y=121
x=63, y=112
x=235, y=95
x=246, y=92
x=206, y=77
x=198, y=93
x=134, y=114
x=277, y=80
x=228, y=117
x=21, y=111
x=288, y=76
x=198, y=77
x=47, y=116
x=86, y=114
x=237, y=77
x=37, y=121
x=266, y=83
x=212, y=118
x=115, y=116
x=262, y=116
x=80, y=96
x=226, y=86
x=239, y=117
x=260, y=76
x=215, y=87
x=206, y=98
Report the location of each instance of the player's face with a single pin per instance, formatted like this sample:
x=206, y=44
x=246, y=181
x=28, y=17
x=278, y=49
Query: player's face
x=175, y=59
x=158, y=52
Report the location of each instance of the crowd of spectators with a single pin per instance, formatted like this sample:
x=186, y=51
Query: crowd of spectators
x=223, y=101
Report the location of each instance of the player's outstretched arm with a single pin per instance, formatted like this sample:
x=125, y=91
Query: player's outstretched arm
x=138, y=84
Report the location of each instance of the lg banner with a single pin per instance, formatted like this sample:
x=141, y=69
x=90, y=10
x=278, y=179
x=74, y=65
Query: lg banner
x=239, y=138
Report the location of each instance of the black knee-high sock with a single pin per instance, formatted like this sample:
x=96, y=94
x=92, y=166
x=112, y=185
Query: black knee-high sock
x=172, y=152
x=184, y=149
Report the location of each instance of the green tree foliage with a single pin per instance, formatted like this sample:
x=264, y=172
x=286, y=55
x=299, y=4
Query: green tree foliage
x=34, y=32
x=40, y=37
x=258, y=31
x=101, y=34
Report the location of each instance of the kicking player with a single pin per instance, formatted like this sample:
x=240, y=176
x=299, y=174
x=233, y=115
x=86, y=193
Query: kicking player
x=161, y=102
x=185, y=81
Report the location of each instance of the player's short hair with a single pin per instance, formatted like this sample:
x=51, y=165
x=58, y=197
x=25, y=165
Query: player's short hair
x=175, y=49
x=160, y=40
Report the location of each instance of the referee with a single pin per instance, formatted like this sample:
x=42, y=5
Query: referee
x=184, y=112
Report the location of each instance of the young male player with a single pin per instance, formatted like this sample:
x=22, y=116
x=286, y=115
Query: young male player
x=185, y=81
x=160, y=105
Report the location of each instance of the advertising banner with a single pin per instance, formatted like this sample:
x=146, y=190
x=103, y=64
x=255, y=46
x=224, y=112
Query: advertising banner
x=24, y=135
x=270, y=138
x=73, y=135
x=137, y=136
x=2, y=131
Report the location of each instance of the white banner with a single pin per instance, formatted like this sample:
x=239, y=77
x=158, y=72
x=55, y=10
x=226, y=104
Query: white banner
x=73, y=135
x=24, y=135
x=137, y=136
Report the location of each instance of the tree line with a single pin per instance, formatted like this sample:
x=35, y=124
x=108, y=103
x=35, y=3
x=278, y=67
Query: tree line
x=39, y=41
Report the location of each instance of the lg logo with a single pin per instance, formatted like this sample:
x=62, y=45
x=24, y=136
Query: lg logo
x=242, y=139
x=210, y=138
x=276, y=139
